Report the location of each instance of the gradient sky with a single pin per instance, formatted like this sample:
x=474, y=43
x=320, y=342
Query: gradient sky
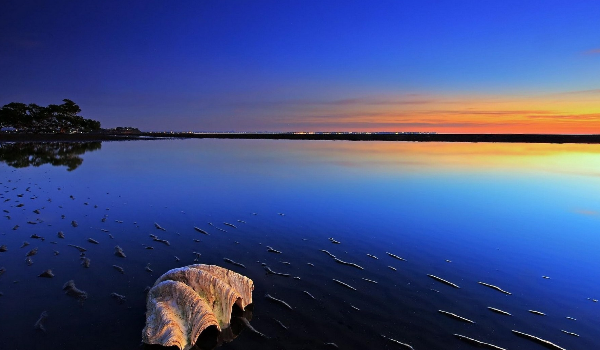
x=208, y=65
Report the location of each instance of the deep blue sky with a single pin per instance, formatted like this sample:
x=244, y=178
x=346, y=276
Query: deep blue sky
x=301, y=65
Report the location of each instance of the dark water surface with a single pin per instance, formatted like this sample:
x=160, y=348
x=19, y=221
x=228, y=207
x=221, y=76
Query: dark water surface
x=503, y=214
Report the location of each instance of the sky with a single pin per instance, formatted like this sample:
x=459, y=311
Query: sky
x=446, y=66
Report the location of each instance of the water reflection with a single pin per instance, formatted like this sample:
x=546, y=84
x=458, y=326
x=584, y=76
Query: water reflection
x=26, y=154
x=503, y=214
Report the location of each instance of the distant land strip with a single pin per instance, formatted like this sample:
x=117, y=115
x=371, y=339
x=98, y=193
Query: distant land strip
x=499, y=138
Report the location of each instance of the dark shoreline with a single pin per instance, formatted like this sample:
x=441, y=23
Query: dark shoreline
x=499, y=138
x=70, y=137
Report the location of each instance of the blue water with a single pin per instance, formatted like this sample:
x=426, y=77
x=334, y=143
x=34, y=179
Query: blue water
x=504, y=214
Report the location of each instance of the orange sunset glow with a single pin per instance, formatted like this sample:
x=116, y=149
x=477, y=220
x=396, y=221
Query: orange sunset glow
x=575, y=112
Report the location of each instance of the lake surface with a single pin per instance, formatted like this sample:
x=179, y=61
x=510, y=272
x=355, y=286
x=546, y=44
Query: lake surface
x=502, y=214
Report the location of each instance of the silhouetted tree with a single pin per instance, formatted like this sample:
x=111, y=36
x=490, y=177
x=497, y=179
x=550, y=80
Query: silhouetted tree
x=62, y=118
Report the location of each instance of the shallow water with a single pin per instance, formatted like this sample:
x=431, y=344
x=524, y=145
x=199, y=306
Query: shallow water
x=503, y=214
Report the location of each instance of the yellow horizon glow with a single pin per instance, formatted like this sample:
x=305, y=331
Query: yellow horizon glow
x=575, y=159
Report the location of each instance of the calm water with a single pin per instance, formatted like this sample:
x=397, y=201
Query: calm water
x=503, y=214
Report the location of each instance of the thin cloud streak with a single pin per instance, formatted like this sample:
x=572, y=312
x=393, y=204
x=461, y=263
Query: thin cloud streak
x=570, y=117
x=578, y=92
x=586, y=212
x=376, y=102
x=592, y=52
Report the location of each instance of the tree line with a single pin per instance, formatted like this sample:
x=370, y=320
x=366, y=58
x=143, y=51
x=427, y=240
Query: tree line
x=63, y=118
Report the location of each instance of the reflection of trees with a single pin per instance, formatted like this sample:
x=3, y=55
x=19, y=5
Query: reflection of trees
x=24, y=154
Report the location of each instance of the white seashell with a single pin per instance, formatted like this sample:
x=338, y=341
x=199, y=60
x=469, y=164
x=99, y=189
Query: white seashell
x=185, y=301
